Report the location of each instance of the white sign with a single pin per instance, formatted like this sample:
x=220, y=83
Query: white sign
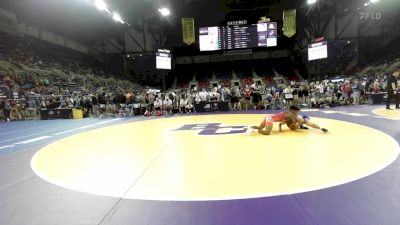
x=370, y=15
x=318, y=50
x=164, y=50
x=239, y=22
x=163, y=61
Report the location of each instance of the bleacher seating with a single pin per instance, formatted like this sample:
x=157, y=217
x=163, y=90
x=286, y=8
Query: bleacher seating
x=204, y=84
x=246, y=81
x=225, y=83
x=268, y=80
x=31, y=52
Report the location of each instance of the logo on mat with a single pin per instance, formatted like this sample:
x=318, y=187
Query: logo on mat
x=213, y=129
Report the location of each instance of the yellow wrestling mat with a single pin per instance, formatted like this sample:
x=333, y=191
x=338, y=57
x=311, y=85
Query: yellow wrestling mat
x=392, y=114
x=175, y=159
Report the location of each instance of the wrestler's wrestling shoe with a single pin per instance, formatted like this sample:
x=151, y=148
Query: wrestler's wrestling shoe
x=324, y=130
x=303, y=127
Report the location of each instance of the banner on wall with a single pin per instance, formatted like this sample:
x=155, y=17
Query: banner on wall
x=289, y=23
x=188, y=31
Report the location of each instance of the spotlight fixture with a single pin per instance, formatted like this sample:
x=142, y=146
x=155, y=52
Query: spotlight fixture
x=164, y=11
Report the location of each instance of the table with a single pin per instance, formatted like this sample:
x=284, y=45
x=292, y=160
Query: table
x=49, y=114
x=211, y=106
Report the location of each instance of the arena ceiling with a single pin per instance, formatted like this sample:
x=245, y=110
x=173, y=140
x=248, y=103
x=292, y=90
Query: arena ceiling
x=81, y=21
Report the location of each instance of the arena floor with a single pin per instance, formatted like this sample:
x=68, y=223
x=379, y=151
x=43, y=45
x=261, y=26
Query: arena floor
x=202, y=169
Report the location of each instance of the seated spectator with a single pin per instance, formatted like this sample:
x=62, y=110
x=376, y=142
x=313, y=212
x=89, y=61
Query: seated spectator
x=167, y=105
x=183, y=105
x=158, y=106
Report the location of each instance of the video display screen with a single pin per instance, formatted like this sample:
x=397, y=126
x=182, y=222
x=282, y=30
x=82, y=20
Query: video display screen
x=163, y=61
x=238, y=36
x=318, y=50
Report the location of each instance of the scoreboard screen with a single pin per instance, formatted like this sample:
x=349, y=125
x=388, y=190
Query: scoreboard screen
x=238, y=36
x=163, y=60
x=318, y=50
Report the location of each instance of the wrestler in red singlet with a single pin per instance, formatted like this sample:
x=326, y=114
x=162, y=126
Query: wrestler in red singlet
x=269, y=120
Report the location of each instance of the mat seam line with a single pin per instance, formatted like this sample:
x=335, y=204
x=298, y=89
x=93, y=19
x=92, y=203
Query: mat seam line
x=132, y=185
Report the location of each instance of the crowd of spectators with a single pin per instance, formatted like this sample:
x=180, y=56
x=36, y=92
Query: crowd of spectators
x=118, y=101
x=25, y=93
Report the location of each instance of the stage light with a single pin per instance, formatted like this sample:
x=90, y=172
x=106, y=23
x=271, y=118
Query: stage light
x=311, y=1
x=366, y=4
x=117, y=18
x=374, y=1
x=164, y=11
x=101, y=5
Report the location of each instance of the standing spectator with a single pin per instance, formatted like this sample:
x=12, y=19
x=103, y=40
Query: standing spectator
x=152, y=99
x=87, y=104
x=221, y=91
x=2, y=104
x=356, y=89
x=7, y=110
x=276, y=101
x=376, y=86
x=256, y=95
x=236, y=93
x=363, y=86
x=129, y=98
x=268, y=101
x=23, y=108
x=191, y=100
x=227, y=97
x=320, y=90
x=246, y=94
x=31, y=108
x=197, y=98
x=304, y=91
x=94, y=105
x=392, y=89
x=346, y=91
x=6, y=107
x=288, y=92
x=143, y=103
x=330, y=89
x=101, y=99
